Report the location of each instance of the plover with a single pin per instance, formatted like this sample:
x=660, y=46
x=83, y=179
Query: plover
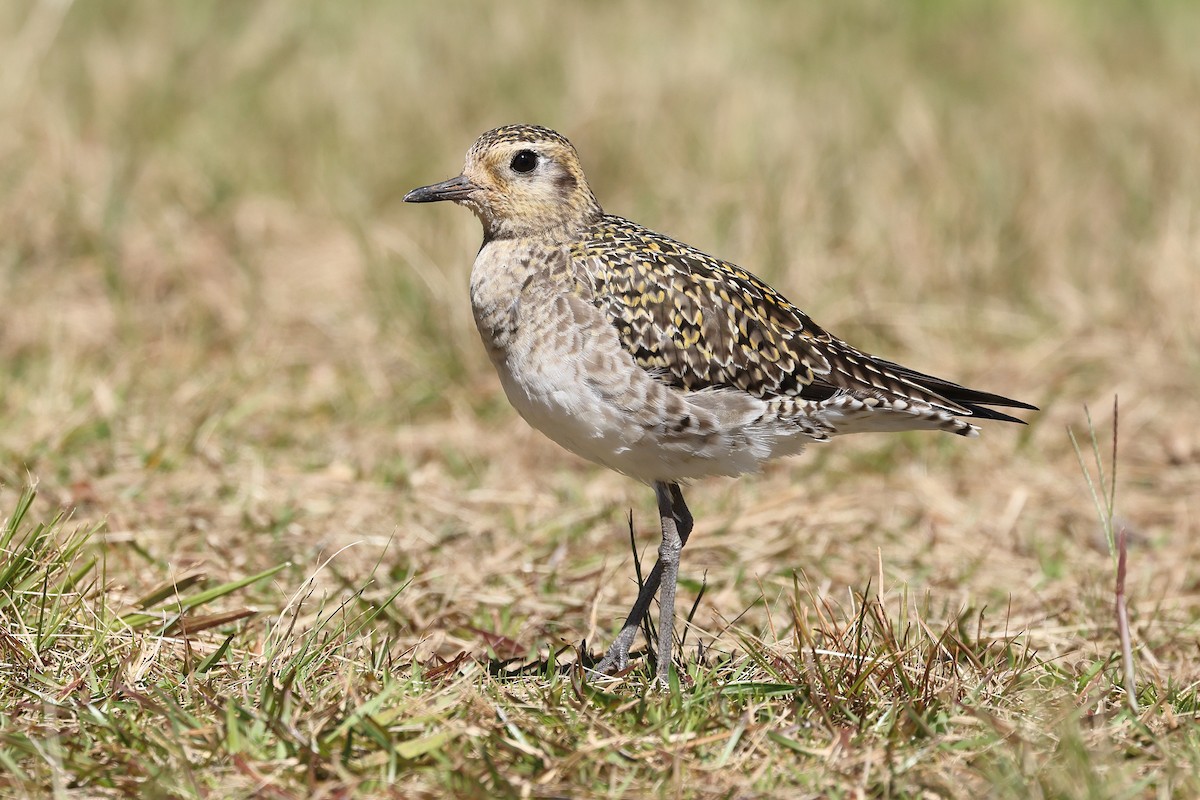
x=645, y=355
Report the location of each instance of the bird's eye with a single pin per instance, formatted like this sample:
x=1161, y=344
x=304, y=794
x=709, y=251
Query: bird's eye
x=524, y=161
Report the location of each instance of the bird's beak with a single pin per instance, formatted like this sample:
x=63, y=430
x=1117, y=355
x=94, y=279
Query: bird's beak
x=453, y=189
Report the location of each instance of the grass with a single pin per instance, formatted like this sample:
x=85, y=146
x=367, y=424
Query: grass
x=270, y=527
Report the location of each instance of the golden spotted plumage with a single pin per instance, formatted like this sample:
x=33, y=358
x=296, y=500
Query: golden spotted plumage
x=698, y=322
x=652, y=358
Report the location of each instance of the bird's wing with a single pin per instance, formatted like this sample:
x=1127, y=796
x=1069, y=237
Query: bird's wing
x=696, y=322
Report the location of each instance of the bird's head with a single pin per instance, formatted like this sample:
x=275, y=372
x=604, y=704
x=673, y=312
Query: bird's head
x=520, y=180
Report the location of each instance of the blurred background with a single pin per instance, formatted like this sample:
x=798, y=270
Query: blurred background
x=248, y=373
x=224, y=334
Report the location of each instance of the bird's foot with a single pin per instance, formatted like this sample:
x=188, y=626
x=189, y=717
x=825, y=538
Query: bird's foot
x=616, y=658
x=662, y=679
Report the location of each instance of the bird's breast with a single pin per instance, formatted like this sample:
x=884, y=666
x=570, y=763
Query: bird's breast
x=514, y=285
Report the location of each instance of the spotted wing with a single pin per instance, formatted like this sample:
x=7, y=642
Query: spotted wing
x=696, y=323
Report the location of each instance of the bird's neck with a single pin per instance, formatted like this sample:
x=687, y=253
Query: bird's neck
x=559, y=225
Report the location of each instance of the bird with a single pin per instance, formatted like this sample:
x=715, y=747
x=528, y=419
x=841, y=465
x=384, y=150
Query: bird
x=651, y=358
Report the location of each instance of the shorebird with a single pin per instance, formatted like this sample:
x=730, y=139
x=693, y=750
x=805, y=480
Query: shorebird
x=645, y=355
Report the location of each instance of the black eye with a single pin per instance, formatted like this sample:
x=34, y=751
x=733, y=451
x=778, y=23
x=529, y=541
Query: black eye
x=524, y=161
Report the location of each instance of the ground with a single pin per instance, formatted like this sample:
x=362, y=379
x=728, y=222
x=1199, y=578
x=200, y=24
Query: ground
x=272, y=528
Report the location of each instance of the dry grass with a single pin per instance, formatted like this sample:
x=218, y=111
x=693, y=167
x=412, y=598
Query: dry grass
x=307, y=548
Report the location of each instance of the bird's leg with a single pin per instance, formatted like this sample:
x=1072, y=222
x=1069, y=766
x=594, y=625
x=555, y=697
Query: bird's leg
x=679, y=510
x=672, y=510
x=616, y=658
x=668, y=556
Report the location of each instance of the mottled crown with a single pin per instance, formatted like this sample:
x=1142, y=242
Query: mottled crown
x=529, y=134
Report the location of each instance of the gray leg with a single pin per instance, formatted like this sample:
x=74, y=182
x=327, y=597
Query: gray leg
x=679, y=510
x=668, y=556
x=676, y=517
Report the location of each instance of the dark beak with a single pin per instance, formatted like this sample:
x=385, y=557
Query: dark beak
x=453, y=189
